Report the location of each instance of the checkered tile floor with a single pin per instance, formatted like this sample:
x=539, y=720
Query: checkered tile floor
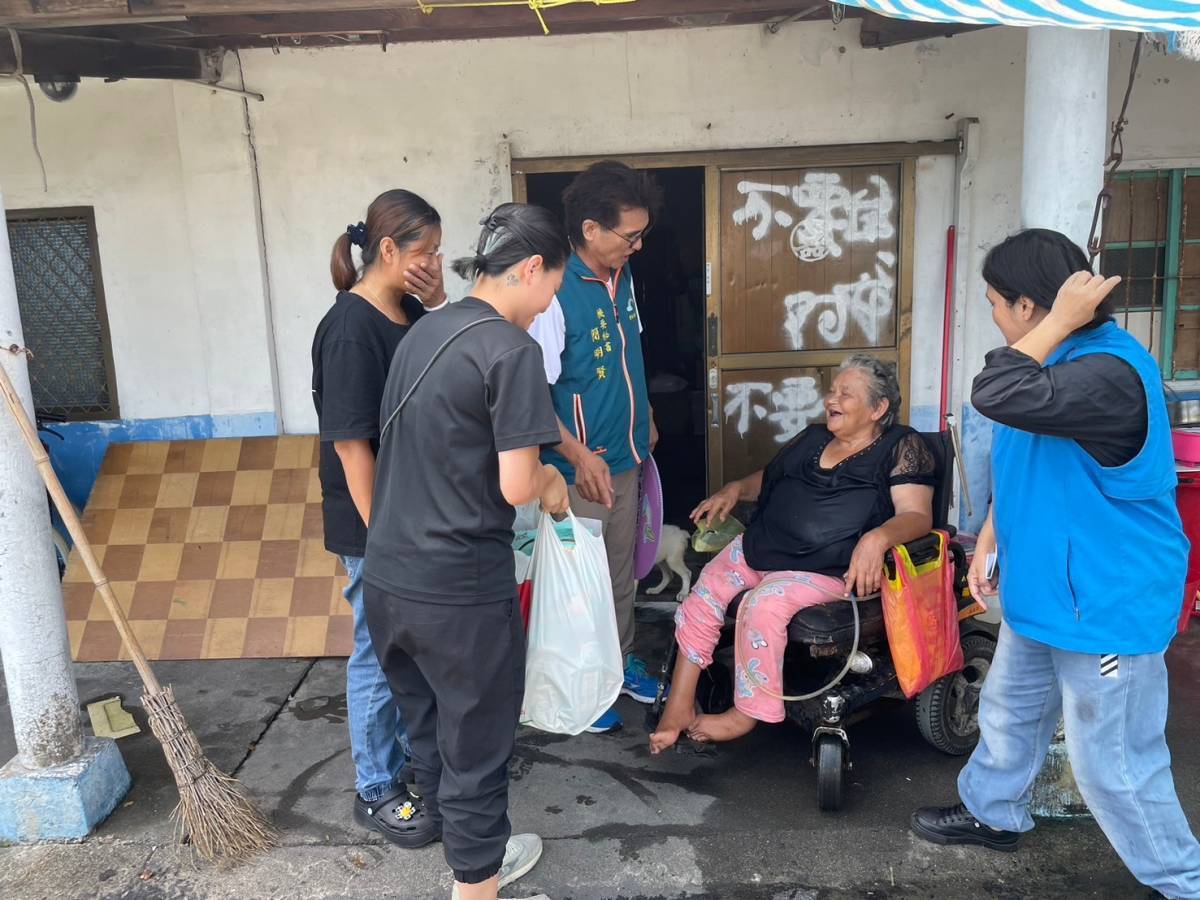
x=214, y=550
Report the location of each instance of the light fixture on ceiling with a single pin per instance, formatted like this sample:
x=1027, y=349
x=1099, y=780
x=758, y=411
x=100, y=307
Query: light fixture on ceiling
x=60, y=90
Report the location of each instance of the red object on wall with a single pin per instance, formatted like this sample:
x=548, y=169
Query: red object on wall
x=1187, y=498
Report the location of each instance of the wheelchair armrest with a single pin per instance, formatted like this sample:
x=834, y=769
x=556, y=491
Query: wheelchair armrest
x=925, y=549
x=920, y=550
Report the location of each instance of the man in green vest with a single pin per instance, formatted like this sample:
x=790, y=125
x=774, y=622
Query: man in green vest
x=591, y=343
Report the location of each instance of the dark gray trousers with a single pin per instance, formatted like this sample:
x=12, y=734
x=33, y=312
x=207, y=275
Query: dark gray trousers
x=458, y=675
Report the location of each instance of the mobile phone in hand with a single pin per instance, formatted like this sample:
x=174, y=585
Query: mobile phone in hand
x=990, y=569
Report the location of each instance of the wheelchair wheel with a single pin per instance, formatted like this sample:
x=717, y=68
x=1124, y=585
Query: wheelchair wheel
x=948, y=710
x=830, y=756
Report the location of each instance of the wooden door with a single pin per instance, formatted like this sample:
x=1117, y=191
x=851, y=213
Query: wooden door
x=812, y=265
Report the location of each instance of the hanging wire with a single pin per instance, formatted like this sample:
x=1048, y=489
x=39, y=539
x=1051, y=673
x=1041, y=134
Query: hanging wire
x=1116, y=155
x=837, y=13
x=18, y=74
x=428, y=6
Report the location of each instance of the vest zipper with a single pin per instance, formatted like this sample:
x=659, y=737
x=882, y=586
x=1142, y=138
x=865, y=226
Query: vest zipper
x=1070, y=586
x=628, y=384
x=611, y=288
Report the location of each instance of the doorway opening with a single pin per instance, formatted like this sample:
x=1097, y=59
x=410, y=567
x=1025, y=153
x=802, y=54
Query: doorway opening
x=669, y=279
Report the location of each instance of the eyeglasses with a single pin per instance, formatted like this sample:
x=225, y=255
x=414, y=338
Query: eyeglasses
x=631, y=240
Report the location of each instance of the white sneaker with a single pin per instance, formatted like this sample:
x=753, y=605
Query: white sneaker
x=520, y=856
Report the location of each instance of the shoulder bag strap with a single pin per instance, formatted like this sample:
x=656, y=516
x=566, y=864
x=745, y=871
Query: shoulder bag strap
x=429, y=365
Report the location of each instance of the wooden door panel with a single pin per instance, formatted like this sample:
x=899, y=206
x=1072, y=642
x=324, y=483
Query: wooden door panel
x=762, y=409
x=809, y=259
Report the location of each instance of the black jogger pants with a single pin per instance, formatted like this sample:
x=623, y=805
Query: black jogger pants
x=457, y=672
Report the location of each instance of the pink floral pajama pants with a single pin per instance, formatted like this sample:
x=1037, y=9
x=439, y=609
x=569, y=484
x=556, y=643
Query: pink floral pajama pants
x=771, y=600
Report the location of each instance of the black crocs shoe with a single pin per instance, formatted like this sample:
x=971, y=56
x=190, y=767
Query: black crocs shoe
x=400, y=817
x=956, y=825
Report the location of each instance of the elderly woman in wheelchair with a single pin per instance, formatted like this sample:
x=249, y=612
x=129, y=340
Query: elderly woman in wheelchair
x=830, y=505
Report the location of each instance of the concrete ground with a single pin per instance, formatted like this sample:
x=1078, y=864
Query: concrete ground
x=737, y=822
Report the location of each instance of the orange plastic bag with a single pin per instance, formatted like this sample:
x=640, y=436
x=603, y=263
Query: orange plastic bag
x=921, y=617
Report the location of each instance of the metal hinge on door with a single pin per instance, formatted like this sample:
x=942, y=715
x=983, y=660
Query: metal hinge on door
x=708, y=279
x=713, y=333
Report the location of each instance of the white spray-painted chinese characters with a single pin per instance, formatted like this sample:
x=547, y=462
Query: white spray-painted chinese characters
x=831, y=212
x=833, y=216
x=868, y=301
x=793, y=405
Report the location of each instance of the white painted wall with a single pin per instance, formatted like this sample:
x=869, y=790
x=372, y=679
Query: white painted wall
x=168, y=169
x=165, y=167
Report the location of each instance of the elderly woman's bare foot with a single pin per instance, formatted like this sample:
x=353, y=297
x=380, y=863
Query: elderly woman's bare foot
x=727, y=726
x=675, y=720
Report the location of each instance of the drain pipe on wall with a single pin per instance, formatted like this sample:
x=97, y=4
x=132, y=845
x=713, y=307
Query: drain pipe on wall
x=954, y=322
x=261, y=232
x=945, y=416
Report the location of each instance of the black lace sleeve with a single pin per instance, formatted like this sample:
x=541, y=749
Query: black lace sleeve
x=912, y=462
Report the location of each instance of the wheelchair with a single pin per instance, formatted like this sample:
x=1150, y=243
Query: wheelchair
x=850, y=638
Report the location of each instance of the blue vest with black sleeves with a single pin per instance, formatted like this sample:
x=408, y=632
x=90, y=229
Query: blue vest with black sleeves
x=1093, y=558
x=601, y=394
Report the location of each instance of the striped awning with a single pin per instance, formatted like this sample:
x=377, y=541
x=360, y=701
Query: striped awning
x=1146, y=15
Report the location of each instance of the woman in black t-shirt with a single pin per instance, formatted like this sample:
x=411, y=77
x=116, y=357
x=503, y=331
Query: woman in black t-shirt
x=466, y=411
x=351, y=353
x=830, y=504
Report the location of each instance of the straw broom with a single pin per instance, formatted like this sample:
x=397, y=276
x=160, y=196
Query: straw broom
x=213, y=809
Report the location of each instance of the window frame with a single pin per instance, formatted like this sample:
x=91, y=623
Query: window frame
x=88, y=214
x=1175, y=174
x=1175, y=244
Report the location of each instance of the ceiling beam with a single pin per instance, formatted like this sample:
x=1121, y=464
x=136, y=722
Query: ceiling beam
x=64, y=13
x=879, y=32
x=395, y=26
x=91, y=13
x=51, y=56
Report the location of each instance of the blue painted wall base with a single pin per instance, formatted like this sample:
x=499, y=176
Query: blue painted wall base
x=78, y=455
x=62, y=803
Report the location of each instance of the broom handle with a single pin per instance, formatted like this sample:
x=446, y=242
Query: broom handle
x=71, y=519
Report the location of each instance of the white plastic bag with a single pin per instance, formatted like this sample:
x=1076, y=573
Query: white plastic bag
x=573, y=667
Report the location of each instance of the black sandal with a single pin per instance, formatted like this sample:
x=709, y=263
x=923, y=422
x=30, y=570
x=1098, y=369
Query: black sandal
x=400, y=817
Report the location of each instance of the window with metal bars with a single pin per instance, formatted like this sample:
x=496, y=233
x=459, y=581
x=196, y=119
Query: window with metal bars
x=1152, y=240
x=60, y=294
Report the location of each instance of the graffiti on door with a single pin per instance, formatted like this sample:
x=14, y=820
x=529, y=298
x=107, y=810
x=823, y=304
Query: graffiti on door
x=788, y=407
x=831, y=214
x=868, y=302
x=827, y=218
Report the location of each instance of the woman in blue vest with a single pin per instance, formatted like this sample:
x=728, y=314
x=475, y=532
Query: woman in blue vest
x=1092, y=560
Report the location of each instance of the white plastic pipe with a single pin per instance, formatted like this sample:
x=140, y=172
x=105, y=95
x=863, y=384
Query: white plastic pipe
x=1066, y=126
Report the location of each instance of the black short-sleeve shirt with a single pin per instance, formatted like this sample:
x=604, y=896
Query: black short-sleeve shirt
x=352, y=350
x=441, y=531
x=810, y=518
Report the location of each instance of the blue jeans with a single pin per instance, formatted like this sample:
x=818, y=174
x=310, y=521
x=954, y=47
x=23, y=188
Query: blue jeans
x=1115, y=710
x=377, y=737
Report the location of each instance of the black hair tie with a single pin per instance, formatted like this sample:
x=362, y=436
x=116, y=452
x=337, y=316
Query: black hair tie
x=358, y=234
